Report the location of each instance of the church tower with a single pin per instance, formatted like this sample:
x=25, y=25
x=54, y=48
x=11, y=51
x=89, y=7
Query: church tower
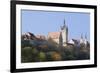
x=85, y=40
x=64, y=32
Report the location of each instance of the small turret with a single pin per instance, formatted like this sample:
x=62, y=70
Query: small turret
x=81, y=39
x=81, y=36
x=85, y=40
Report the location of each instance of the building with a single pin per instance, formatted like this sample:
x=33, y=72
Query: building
x=83, y=40
x=28, y=36
x=55, y=36
x=60, y=37
x=64, y=34
x=41, y=37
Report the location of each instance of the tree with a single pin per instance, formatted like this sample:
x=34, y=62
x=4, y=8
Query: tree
x=26, y=54
x=41, y=56
x=56, y=56
x=52, y=43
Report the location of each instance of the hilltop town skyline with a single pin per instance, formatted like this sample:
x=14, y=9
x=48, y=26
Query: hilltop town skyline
x=32, y=24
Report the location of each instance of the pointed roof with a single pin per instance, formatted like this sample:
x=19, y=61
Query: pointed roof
x=81, y=36
x=41, y=37
x=71, y=42
x=64, y=25
x=85, y=36
x=64, y=22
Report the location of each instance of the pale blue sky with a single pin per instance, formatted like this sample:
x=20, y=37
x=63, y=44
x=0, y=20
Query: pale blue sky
x=42, y=22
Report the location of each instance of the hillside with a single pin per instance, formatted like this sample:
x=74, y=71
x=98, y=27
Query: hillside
x=38, y=50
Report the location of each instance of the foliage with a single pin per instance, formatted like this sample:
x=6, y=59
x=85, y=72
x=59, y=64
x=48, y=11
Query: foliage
x=26, y=54
x=42, y=56
x=56, y=56
x=37, y=51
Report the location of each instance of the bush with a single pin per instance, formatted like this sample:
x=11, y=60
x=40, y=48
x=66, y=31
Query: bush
x=42, y=56
x=70, y=57
x=56, y=56
x=35, y=51
x=25, y=43
x=26, y=54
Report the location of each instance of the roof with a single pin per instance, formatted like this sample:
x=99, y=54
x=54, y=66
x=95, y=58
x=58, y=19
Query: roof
x=41, y=37
x=71, y=42
x=54, y=35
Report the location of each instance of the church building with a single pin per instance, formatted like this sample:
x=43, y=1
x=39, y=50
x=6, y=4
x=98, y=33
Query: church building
x=60, y=37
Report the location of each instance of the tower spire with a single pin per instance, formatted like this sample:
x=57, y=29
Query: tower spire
x=64, y=26
x=64, y=33
x=85, y=36
x=64, y=22
x=81, y=36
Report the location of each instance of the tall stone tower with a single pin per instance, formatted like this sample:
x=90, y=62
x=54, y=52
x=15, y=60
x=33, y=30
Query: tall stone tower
x=64, y=32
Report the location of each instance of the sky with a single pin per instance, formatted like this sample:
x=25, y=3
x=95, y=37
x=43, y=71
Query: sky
x=42, y=22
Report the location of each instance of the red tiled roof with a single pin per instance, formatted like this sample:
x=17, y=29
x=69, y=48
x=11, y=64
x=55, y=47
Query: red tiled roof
x=54, y=35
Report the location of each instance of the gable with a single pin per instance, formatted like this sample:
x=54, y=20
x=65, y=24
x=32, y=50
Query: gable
x=54, y=35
